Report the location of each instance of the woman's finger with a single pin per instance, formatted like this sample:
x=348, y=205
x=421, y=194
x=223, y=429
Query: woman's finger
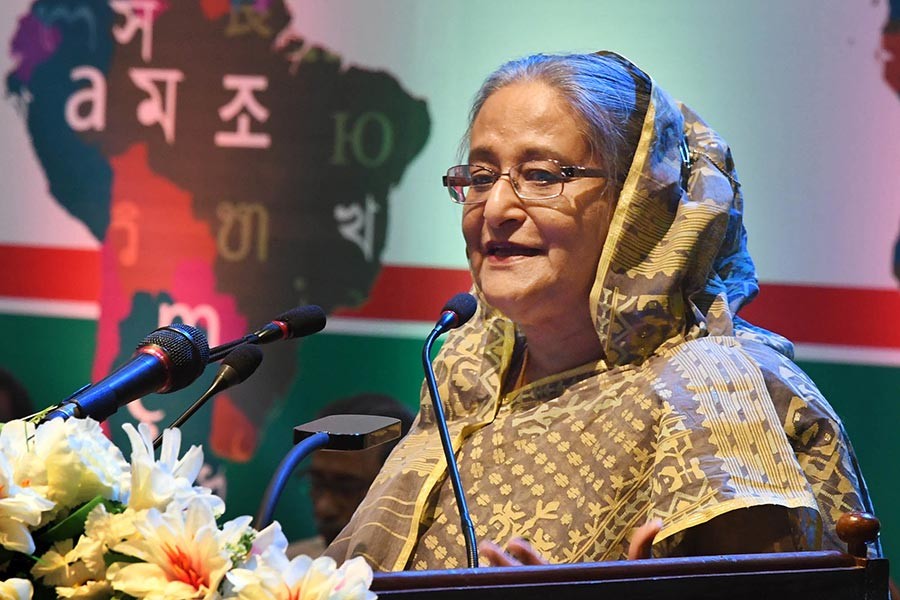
x=495, y=555
x=524, y=552
x=642, y=541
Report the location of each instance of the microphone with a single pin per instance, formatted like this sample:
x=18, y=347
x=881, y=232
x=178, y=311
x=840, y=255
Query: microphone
x=240, y=364
x=168, y=359
x=297, y=322
x=458, y=310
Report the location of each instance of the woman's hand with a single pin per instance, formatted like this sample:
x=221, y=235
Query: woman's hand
x=642, y=540
x=519, y=552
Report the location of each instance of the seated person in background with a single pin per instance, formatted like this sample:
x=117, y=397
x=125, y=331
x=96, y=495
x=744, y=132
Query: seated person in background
x=338, y=480
x=14, y=400
x=606, y=396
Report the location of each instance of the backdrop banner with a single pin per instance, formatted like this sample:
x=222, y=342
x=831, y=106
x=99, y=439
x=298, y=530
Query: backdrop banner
x=218, y=162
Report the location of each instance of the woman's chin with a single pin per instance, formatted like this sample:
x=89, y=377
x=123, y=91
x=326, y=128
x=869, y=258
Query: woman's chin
x=514, y=304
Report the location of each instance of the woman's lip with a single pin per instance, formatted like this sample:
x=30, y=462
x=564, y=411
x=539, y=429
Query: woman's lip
x=510, y=250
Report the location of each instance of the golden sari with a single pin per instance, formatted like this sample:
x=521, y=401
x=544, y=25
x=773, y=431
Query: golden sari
x=692, y=413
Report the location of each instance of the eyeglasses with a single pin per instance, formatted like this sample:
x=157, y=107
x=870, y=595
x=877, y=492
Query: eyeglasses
x=531, y=180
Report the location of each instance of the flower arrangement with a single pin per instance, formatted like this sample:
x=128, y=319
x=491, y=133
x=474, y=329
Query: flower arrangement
x=79, y=521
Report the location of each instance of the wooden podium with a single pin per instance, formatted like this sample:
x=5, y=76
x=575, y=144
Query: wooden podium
x=816, y=575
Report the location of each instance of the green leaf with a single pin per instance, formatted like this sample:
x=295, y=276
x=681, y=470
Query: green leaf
x=113, y=557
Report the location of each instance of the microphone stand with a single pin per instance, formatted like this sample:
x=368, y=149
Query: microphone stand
x=468, y=529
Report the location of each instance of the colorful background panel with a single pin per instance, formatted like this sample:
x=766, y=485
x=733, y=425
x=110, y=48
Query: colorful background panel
x=220, y=161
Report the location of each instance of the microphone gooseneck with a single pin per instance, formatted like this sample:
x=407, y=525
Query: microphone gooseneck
x=166, y=360
x=237, y=366
x=455, y=313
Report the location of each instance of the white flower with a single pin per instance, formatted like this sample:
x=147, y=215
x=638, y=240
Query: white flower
x=90, y=590
x=157, y=518
x=16, y=589
x=245, y=544
x=270, y=538
x=238, y=537
x=181, y=553
x=110, y=529
x=355, y=580
x=68, y=566
x=21, y=509
x=16, y=440
x=302, y=578
x=157, y=484
x=68, y=461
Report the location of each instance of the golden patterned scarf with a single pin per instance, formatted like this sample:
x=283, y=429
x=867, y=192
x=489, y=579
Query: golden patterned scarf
x=692, y=414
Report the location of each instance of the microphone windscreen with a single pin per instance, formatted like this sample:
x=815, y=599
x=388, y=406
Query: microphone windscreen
x=303, y=320
x=463, y=306
x=187, y=349
x=244, y=360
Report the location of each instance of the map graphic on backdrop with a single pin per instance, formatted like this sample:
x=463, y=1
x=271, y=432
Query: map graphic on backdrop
x=229, y=170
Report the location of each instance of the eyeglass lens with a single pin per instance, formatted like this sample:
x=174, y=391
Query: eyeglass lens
x=532, y=180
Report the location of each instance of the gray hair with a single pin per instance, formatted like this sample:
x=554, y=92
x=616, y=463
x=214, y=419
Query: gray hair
x=608, y=93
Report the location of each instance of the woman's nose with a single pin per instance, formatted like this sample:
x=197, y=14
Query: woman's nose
x=502, y=203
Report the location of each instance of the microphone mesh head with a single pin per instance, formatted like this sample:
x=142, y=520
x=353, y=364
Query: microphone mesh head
x=187, y=349
x=244, y=360
x=463, y=306
x=303, y=320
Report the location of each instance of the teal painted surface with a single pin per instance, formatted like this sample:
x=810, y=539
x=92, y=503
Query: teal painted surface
x=51, y=357
x=867, y=399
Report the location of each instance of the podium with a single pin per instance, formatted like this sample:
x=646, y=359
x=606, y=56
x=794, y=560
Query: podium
x=821, y=575
x=826, y=575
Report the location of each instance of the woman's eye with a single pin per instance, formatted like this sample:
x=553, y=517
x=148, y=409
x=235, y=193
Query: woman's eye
x=540, y=176
x=482, y=179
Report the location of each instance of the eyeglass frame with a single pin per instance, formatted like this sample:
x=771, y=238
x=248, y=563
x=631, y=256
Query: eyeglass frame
x=568, y=172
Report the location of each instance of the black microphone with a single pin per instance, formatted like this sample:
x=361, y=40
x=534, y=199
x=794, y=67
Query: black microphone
x=168, y=359
x=297, y=322
x=456, y=312
x=240, y=364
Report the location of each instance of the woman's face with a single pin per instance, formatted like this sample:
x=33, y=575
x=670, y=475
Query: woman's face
x=535, y=260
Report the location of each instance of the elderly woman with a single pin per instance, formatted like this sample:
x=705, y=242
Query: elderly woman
x=606, y=382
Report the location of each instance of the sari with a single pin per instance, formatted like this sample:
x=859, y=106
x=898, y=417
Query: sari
x=690, y=414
